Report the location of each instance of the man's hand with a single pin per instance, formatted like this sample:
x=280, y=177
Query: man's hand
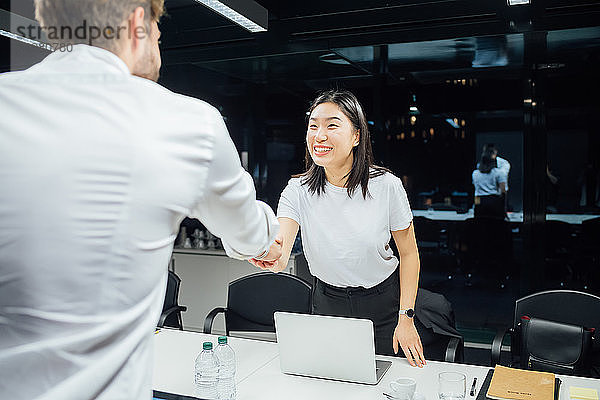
x=271, y=261
x=406, y=335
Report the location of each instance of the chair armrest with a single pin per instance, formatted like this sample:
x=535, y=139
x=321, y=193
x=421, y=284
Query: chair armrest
x=454, y=350
x=210, y=317
x=169, y=311
x=497, y=346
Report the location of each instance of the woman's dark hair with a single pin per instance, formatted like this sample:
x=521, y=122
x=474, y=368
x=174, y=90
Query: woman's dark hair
x=362, y=163
x=487, y=162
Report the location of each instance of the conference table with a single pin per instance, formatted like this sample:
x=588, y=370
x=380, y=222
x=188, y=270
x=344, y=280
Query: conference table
x=258, y=375
x=515, y=217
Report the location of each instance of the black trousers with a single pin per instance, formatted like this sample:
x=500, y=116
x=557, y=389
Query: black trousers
x=491, y=206
x=380, y=304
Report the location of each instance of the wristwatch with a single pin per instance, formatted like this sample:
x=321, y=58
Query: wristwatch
x=409, y=312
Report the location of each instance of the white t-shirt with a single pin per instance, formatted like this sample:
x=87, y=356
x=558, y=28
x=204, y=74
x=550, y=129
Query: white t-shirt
x=503, y=167
x=488, y=183
x=97, y=170
x=346, y=240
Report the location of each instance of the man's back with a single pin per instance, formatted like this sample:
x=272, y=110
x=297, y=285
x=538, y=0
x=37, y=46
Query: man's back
x=97, y=169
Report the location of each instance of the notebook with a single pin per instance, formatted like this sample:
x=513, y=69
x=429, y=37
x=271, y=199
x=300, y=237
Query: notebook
x=482, y=394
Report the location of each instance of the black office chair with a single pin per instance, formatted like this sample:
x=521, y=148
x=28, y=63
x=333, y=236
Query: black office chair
x=588, y=252
x=486, y=248
x=428, y=234
x=436, y=325
x=252, y=300
x=446, y=207
x=171, y=314
x=560, y=252
x=444, y=348
x=566, y=307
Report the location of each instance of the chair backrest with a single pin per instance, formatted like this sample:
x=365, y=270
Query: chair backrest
x=591, y=229
x=558, y=238
x=566, y=306
x=252, y=300
x=171, y=299
x=487, y=239
x=445, y=207
x=426, y=230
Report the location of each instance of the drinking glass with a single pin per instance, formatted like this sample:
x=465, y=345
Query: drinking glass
x=452, y=386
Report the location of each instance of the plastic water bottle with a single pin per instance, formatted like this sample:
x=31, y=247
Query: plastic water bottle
x=226, y=381
x=207, y=372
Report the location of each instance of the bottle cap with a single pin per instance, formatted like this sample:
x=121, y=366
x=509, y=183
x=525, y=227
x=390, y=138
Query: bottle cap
x=207, y=346
x=222, y=339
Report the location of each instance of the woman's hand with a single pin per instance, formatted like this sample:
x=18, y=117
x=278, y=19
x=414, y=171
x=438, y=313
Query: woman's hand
x=271, y=261
x=273, y=266
x=406, y=335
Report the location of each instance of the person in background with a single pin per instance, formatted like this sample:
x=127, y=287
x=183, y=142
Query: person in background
x=348, y=209
x=490, y=185
x=98, y=166
x=503, y=166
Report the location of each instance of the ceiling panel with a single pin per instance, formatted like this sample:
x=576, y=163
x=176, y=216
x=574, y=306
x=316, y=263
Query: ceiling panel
x=278, y=69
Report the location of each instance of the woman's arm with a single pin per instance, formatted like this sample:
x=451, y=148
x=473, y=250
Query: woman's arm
x=288, y=229
x=406, y=333
x=502, y=187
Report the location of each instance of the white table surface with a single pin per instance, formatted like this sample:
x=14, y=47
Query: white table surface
x=175, y=354
x=259, y=376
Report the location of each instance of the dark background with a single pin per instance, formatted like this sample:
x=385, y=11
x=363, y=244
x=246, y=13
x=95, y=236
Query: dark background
x=523, y=77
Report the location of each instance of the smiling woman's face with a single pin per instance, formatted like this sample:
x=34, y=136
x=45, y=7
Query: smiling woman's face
x=330, y=138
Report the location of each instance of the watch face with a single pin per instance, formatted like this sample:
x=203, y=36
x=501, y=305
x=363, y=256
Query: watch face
x=410, y=313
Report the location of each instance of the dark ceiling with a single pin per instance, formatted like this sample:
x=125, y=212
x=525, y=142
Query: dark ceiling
x=314, y=44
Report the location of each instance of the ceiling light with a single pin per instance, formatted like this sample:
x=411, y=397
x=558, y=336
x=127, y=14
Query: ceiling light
x=246, y=13
x=452, y=122
x=413, y=109
x=333, y=58
x=517, y=2
x=25, y=40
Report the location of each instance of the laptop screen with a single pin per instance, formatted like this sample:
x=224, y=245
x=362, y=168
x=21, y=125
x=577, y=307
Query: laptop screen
x=326, y=347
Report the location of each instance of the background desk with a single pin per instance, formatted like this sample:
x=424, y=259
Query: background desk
x=259, y=377
x=574, y=219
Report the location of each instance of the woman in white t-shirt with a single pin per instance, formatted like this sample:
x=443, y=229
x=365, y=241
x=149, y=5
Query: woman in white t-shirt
x=348, y=209
x=490, y=185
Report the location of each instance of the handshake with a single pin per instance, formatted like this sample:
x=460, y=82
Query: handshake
x=272, y=261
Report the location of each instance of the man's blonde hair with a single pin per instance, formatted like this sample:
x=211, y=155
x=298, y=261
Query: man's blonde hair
x=60, y=19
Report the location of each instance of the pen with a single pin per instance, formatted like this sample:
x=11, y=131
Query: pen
x=473, y=387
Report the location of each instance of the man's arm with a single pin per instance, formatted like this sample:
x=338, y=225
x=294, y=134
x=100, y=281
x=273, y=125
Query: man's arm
x=285, y=239
x=228, y=207
x=503, y=165
x=502, y=187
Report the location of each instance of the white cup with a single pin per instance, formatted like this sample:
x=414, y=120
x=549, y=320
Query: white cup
x=403, y=388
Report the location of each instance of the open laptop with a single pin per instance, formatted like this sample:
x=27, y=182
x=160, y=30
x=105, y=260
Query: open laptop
x=328, y=347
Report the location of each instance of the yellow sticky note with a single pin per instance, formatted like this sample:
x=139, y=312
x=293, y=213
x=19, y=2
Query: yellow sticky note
x=583, y=393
